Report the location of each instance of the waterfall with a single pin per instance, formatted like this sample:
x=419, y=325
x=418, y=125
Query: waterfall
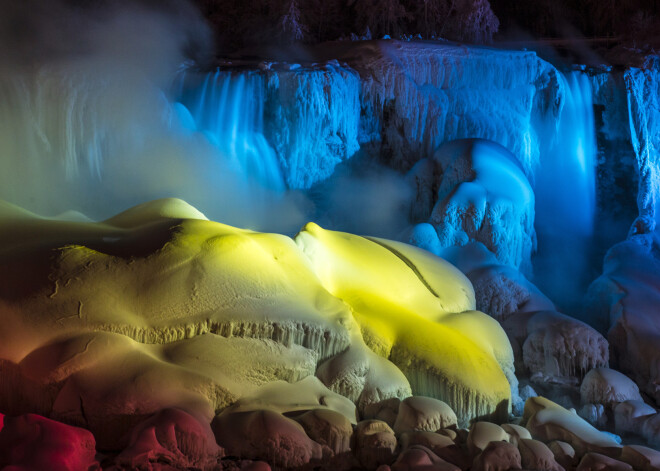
x=228, y=107
x=566, y=197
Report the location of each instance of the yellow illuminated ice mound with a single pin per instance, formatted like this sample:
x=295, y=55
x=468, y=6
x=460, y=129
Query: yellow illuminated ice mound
x=418, y=311
x=106, y=323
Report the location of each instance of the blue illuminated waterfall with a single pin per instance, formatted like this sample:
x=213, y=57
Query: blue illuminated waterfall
x=228, y=107
x=566, y=196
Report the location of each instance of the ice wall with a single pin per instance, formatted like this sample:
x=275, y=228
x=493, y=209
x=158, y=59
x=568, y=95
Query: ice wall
x=643, y=87
x=284, y=122
x=417, y=95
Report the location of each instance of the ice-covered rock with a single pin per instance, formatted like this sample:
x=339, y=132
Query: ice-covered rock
x=265, y=435
x=418, y=413
x=641, y=457
x=607, y=386
x=171, y=436
x=482, y=433
x=594, y=414
x=374, y=443
x=564, y=453
x=558, y=346
x=418, y=458
x=536, y=455
x=548, y=421
x=33, y=442
x=500, y=290
x=404, y=313
x=363, y=376
x=516, y=433
x=475, y=190
x=497, y=456
x=292, y=398
x=598, y=462
x=327, y=427
x=629, y=416
x=623, y=302
x=442, y=445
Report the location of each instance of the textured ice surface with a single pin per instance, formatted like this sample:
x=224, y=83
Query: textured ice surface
x=623, y=302
x=643, y=85
x=418, y=95
x=107, y=323
x=291, y=124
x=475, y=190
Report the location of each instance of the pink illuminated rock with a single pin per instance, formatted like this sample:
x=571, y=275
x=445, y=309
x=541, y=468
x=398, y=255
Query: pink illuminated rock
x=598, y=462
x=420, y=458
x=32, y=442
x=498, y=456
x=536, y=455
x=171, y=435
x=374, y=443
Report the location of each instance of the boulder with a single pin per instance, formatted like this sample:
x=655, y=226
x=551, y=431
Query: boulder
x=608, y=387
x=419, y=413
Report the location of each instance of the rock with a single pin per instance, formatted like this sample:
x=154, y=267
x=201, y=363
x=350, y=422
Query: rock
x=497, y=456
x=536, y=455
x=32, y=442
x=548, y=421
x=418, y=458
x=606, y=386
x=386, y=410
x=174, y=436
x=629, y=416
x=597, y=462
x=651, y=429
x=290, y=398
x=561, y=348
x=425, y=414
x=481, y=434
x=564, y=453
x=442, y=445
x=327, y=427
x=451, y=433
x=641, y=458
x=374, y=443
x=516, y=433
x=594, y=414
x=265, y=435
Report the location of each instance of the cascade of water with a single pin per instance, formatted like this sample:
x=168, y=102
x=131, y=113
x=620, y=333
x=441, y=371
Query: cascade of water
x=228, y=107
x=566, y=196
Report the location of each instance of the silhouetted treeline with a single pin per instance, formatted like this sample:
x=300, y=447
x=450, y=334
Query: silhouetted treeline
x=635, y=22
x=240, y=23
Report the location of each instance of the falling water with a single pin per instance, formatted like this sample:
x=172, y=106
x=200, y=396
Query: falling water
x=228, y=107
x=566, y=196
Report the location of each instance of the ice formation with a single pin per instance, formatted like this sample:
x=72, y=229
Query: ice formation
x=176, y=295
x=622, y=302
x=643, y=87
x=286, y=125
x=474, y=190
x=417, y=96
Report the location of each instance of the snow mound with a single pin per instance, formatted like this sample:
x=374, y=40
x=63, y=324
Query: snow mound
x=416, y=318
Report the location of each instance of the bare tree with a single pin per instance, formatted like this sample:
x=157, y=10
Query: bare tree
x=290, y=27
x=381, y=16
